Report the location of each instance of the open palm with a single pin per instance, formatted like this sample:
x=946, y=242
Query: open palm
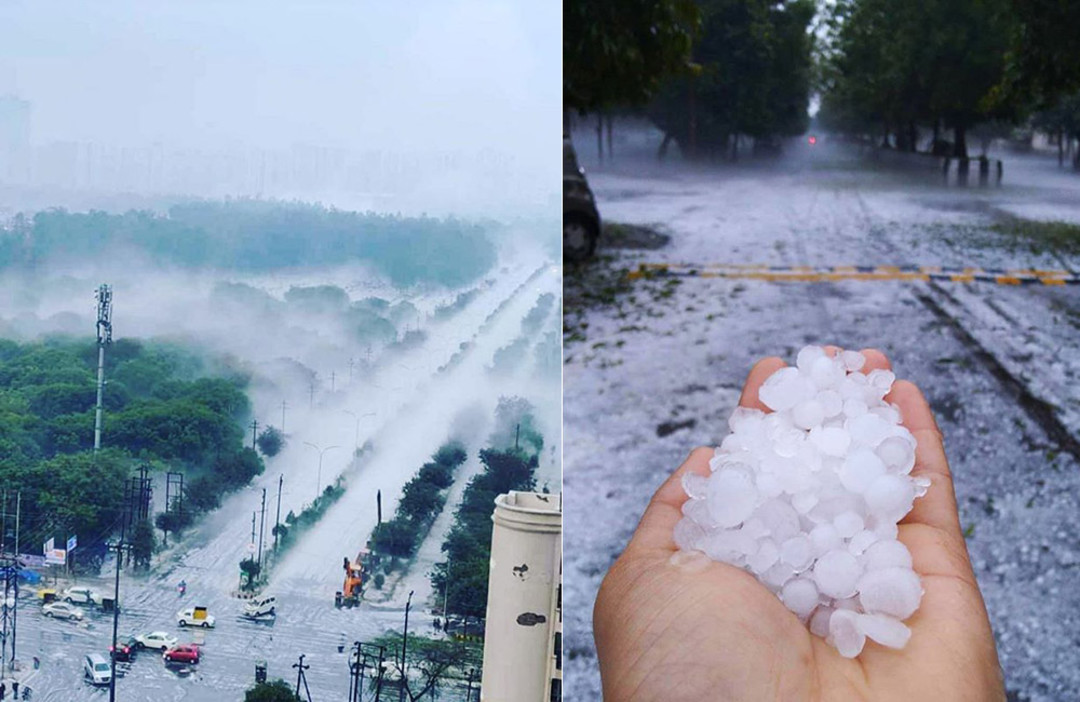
x=673, y=625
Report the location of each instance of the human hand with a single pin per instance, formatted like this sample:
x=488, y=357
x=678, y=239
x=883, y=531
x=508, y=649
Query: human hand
x=672, y=625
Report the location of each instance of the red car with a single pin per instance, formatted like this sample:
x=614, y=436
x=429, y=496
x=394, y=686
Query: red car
x=182, y=653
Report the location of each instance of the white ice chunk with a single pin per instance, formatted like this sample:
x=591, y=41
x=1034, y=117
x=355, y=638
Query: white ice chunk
x=894, y=591
x=800, y=596
x=836, y=574
x=797, y=552
x=767, y=555
x=848, y=524
x=732, y=497
x=862, y=541
x=806, y=357
x=832, y=441
x=695, y=485
x=887, y=554
x=780, y=519
x=897, y=454
x=819, y=622
x=887, y=631
x=688, y=534
x=853, y=360
x=784, y=389
x=808, y=414
x=824, y=538
x=890, y=497
x=845, y=634
x=831, y=402
x=860, y=469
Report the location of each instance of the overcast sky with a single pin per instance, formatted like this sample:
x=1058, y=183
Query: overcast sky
x=423, y=75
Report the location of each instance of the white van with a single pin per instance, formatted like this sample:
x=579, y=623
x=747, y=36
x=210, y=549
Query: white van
x=96, y=669
x=262, y=606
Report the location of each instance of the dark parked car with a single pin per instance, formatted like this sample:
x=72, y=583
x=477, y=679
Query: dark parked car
x=581, y=220
x=125, y=648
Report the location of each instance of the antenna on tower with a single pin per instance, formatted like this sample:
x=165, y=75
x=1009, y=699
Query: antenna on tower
x=104, y=338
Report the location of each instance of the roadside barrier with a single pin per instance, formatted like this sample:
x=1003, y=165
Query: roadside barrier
x=821, y=274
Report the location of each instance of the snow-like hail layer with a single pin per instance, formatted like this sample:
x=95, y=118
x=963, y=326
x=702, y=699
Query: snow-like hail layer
x=807, y=498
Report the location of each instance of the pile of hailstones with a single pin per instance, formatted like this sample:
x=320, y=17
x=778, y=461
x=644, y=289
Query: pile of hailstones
x=808, y=496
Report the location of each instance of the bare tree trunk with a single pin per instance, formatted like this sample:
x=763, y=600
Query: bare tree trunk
x=913, y=136
x=600, y=136
x=692, y=117
x=1061, y=148
x=960, y=144
x=661, y=153
x=610, y=149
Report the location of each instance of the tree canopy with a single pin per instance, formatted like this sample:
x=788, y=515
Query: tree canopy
x=617, y=52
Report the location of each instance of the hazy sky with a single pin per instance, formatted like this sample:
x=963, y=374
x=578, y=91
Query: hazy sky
x=417, y=75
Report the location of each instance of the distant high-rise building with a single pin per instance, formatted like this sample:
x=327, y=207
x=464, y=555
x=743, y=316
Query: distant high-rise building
x=523, y=627
x=14, y=139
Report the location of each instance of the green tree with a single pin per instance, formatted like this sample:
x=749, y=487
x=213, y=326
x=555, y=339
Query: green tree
x=143, y=543
x=756, y=60
x=270, y=441
x=274, y=691
x=1043, y=60
x=616, y=52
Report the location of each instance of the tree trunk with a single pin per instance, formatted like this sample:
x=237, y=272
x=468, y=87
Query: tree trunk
x=913, y=136
x=937, y=135
x=1061, y=148
x=691, y=117
x=610, y=149
x=661, y=153
x=600, y=136
x=960, y=143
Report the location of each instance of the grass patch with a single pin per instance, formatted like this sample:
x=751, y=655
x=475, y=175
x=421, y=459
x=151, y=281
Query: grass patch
x=1039, y=237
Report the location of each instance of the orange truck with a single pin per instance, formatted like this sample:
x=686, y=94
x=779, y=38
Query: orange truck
x=351, y=590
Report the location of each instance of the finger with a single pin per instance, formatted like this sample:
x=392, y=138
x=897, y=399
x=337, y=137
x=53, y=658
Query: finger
x=758, y=374
x=665, y=508
x=937, y=508
x=875, y=360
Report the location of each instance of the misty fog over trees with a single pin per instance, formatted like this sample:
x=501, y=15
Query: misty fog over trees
x=257, y=235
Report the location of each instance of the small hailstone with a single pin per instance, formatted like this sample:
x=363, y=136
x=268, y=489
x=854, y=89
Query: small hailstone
x=845, y=634
x=887, y=631
x=836, y=574
x=807, y=498
x=895, y=591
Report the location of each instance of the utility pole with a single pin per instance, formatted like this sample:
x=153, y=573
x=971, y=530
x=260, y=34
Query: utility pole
x=404, y=646
x=253, y=528
x=277, y=519
x=378, y=505
x=262, y=520
x=104, y=338
x=15, y=609
x=254, y=432
x=311, y=395
x=300, y=678
x=352, y=362
x=283, y=406
x=116, y=613
x=517, y=435
x=333, y=376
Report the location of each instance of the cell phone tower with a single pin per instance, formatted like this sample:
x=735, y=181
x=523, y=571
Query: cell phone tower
x=104, y=338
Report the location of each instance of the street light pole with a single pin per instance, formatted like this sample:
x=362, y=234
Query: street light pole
x=356, y=434
x=404, y=646
x=318, y=479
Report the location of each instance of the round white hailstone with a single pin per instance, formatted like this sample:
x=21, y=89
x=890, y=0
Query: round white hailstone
x=819, y=622
x=780, y=519
x=796, y=552
x=862, y=541
x=695, y=485
x=832, y=441
x=824, y=538
x=826, y=372
x=855, y=407
x=803, y=502
x=698, y=510
x=767, y=555
x=808, y=414
x=836, y=574
x=890, y=497
x=831, y=403
x=848, y=524
x=688, y=534
x=897, y=454
x=807, y=498
x=778, y=576
x=893, y=591
x=887, y=631
x=852, y=360
x=746, y=420
x=800, y=596
x=860, y=469
x=868, y=429
x=732, y=497
x=769, y=485
x=886, y=554
x=784, y=389
x=804, y=360
x=845, y=634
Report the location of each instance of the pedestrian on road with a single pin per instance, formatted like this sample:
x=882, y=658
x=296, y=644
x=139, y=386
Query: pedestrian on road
x=182, y=587
x=3, y=691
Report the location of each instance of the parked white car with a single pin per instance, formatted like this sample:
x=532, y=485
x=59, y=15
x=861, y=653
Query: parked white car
x=160, y=640
x=263, y=606
x=195, y=616
x=97, y=669
x=81, y=595
x=62, y=610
